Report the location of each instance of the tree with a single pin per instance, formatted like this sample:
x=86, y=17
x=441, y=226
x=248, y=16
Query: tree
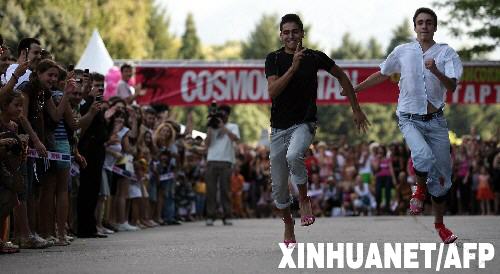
x=349, y=49
x=335, y=121
x=230, y=50
x=199, y=116
x=374, y=49
x=251, y=119
x=191, y=46
x=15, y=26
x=263, y=39
x=122, y=25
x=485, y=118
x=400, y=35
x=306, y=42
x=477, y=19
x=57, y=31
x=163, y=45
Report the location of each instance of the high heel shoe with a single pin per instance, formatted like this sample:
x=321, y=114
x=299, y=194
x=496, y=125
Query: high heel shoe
x=289, y=242
x=306, y=219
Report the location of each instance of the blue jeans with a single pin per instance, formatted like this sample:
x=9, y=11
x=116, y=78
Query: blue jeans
x=386, y=183
x=430, y=151
x=288, y=147
x=200, y=204
x=168, y=193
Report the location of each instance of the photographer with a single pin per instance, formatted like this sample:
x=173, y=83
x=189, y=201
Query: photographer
x=220, y=141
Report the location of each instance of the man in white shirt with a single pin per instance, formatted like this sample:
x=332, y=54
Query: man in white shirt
x=428, y=69
x=124, y=90
x=220, y=160
x=28, y=49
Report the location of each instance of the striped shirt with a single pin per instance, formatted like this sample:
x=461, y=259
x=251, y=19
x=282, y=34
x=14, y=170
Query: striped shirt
x=60, y=133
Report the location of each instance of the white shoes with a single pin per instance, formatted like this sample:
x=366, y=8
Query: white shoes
x=104, y=230
x=127, y=227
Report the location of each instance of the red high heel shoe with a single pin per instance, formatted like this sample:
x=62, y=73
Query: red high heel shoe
x=289, y=242
x=307, y=219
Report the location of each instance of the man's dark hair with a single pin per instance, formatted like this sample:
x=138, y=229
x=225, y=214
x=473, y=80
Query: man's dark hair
x=125, y=66
x=115, y=100
x=149, y=110
x=97, y=77
x=26, y=43
x=291, y=18
x=159, y=107
x=425, y=10
x=1, y=40
x=225, y=108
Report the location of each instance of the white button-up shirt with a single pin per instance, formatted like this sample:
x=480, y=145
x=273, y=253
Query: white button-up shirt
x=8, y=74
x=418, y=85
x=221, y=147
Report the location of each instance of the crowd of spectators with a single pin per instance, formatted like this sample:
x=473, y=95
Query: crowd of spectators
x=75, y=165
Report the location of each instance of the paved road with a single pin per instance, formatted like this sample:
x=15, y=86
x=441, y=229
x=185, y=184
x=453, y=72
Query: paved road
x=250, y=246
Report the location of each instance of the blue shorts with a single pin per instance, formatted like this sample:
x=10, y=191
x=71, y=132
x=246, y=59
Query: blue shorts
x=61, y=146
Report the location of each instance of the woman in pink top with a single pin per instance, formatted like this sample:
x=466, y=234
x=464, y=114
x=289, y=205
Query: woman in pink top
x=384, y=174
x=484, y=194
x=462, y=165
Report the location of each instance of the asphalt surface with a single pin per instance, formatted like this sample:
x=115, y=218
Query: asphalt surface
x=249, y=246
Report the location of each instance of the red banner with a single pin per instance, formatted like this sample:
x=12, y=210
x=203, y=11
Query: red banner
x=188, y=85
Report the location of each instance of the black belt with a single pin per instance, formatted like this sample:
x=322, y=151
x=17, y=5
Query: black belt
x=422, y=117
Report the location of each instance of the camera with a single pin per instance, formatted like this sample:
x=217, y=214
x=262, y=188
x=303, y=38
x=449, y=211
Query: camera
x=213, y=116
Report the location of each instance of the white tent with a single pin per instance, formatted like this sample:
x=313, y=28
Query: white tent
x=96, y=57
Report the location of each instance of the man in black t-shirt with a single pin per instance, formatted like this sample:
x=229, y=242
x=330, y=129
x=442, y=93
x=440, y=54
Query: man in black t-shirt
x=293, y=82
x=91, y=147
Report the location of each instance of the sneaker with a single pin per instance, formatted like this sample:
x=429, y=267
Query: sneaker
x=61, y=242
x=110, y=226
x=32, y=242
x=226, y=222
x=40, y=239
x=153, y=223
x=127, y=227
x=209, y=222
x=107, y=231
x=417, y=200
x=99, y=229
x=51, y=239
x=120, y=227
x=8, y=248
x=446, y=235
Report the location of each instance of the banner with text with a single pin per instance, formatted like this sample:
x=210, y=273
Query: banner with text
x=191, y=85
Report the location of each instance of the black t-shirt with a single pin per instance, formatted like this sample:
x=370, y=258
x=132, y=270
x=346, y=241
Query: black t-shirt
x=92, y=141
x=297, y=103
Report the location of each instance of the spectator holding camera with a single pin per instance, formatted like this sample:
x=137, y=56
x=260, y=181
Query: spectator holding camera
x=220, y=142
x=94, y=133
x=29, y=49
